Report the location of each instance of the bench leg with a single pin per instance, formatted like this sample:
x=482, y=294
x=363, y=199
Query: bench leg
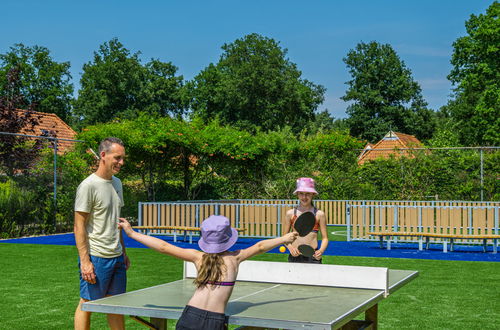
x=484, y=244
x=190, y=237
x=451, y=244
x=427, y=240
x=175, y=235
x=495, y=245
x=388, y=242
x=445, y=245
x=420, y=243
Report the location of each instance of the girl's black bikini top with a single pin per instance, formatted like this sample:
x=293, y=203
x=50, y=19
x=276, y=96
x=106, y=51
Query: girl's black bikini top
x=220, y=283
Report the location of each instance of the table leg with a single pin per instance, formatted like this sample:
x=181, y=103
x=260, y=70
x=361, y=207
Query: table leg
x=371, y=315
x=160, y=324
x=154, y=323
x=370, y=322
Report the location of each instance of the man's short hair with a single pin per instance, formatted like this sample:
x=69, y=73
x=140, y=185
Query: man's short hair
x=106, y=144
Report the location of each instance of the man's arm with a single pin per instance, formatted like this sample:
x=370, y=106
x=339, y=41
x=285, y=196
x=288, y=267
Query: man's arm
x=82, y=245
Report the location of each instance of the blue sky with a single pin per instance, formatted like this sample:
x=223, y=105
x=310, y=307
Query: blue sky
x=318, y=34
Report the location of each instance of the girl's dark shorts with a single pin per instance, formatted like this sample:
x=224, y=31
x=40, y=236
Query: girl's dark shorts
x=194, y=318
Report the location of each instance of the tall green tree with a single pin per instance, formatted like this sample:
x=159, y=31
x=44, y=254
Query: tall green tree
x=17, y=153
x=42, y=82
x=476, y=74
x=116, y=84
x=384, y=95
x=255, y=85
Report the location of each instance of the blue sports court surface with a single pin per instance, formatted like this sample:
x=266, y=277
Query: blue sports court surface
x=335, y=248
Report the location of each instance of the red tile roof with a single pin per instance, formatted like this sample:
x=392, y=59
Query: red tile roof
x=50, y=123
x=389, y=145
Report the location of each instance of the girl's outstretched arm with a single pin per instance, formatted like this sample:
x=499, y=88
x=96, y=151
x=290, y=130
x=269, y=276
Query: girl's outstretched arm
x=160, y=245
x=324, y=235
x=266, y=245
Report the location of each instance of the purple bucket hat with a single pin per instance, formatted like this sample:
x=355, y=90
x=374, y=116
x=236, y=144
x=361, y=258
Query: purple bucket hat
x=305, y=185
x=216, y=234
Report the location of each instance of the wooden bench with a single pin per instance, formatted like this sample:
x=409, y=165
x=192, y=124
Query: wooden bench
x=427, y=236
x=176, y=229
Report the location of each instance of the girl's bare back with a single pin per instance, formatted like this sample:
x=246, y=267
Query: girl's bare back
x=214, y=297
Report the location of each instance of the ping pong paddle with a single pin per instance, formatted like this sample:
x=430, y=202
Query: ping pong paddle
x=305, y=223
x=306, y=250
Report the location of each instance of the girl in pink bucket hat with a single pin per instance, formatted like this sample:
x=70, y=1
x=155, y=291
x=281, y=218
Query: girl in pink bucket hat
x=305, y=191
x=217, y=268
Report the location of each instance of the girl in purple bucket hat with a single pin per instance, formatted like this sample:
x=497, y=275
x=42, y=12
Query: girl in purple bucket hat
x=217, y=268
x=305, y=191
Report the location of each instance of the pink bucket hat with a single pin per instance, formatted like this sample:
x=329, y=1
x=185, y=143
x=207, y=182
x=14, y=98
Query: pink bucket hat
x=216, y=234
x=305, y=185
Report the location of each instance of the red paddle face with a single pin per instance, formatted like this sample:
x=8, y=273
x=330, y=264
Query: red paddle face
x=306, y=250
x=305, y=223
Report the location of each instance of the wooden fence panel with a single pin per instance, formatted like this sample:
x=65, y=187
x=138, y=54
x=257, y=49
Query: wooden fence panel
x=264, y=217
x=479, y=218
x=457, y=219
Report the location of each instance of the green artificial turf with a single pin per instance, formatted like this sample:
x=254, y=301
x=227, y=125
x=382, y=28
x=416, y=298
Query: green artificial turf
x=39, y=288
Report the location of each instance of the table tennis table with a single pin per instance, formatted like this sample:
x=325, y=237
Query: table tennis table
x=273, y=295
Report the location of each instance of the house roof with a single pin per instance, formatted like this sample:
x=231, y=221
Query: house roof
x=50, y=123
x=388, y=146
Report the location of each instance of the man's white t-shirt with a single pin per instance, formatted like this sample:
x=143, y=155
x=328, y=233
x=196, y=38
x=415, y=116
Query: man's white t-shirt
x=102, y=199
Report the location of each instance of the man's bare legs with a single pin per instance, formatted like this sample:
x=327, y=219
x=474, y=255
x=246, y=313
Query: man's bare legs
x=82, y=319
x=116, y=321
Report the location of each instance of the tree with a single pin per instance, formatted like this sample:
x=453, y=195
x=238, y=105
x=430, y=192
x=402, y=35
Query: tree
x=116, y=84
x=255, y=85
x=385, y=95
x=476, y=74
x=324, y=122
x=16, y=152
x=41, y=81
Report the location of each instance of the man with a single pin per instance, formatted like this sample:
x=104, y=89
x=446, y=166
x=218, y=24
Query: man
x=103, y=261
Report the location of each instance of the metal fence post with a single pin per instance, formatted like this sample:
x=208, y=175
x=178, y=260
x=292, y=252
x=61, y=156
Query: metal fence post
x=197, y=215
x=158, y=214
x=420, y=229
x=497, y=210
x=395, y=225
x=348, y=214
x=55, y=183
x=237, y=216
x=279, y=221
x=140, y=213
x=372, y=217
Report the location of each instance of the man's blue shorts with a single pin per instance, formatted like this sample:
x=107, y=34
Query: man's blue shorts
x=111, y=278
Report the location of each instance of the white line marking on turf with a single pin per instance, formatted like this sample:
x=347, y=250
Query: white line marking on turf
x=257, y=292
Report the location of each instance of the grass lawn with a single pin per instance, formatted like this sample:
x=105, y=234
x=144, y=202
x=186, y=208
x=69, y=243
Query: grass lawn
x=39, y=288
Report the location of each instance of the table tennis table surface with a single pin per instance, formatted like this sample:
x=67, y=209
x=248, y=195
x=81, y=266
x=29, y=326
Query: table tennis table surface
x=258, y=304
